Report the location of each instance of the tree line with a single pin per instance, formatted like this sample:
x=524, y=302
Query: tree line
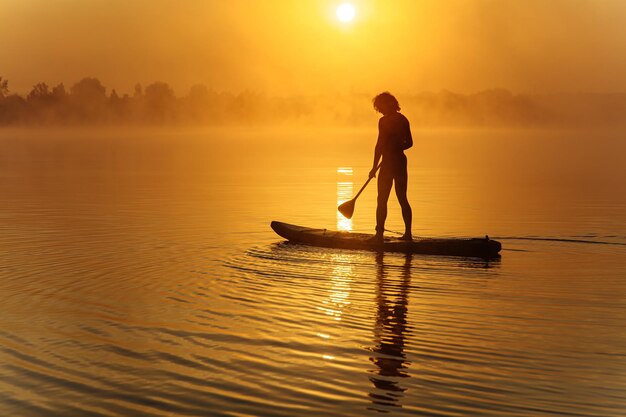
x=87, y=102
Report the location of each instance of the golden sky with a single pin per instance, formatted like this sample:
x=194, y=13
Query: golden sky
x=299, y=46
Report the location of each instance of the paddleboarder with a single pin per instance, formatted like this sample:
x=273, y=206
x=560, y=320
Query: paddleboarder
x=394, y=137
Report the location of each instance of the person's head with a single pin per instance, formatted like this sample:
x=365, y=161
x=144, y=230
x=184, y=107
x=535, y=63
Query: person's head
x=386, y=103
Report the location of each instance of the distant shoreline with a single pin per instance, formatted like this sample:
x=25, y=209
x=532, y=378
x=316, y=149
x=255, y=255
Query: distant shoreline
x=88, y=103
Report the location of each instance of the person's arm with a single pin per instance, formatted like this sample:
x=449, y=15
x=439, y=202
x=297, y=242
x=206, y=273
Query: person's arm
x=408, y=138
x=377, y=154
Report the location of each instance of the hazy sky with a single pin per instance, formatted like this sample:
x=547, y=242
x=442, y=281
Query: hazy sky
x=298, y=46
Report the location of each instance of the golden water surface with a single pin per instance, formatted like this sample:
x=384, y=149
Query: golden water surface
x=139, y=276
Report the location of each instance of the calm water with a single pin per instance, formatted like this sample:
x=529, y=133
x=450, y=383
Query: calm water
x=139, y=276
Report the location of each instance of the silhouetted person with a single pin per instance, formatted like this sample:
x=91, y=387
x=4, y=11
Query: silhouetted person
x=394, y=137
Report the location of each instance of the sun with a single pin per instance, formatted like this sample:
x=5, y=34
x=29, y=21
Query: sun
x=345, y=12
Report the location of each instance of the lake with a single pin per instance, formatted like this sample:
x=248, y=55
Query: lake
x=139, y=275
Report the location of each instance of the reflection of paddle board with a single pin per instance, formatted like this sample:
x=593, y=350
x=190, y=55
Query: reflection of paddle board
x=482, y=247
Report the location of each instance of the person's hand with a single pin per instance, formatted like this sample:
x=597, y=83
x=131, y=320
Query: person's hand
x=373, y=173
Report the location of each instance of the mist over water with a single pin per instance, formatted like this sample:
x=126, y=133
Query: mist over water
x=146, y=146
x=88, y=102
x=139, y=275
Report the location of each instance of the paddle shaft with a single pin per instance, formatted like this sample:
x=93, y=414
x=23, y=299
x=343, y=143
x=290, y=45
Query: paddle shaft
x=366, y=182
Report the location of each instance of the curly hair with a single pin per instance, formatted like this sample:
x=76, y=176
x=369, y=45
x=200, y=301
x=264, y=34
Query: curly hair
x=385, y=102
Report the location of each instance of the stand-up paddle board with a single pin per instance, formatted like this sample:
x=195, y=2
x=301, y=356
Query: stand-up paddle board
x=478, y=247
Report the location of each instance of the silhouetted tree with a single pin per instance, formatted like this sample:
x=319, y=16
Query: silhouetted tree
x=248, y=106
x=88, y=103
x=200, y=105
x=88, y=97
x=4, y=88
x=159, y=98
x=40, y=100
x=138, y=92
x=40, y=92
x=89, y=89
x=199, y=94
x=117, y=107
x=59, y=92
x=13, y=110
x=60, y=104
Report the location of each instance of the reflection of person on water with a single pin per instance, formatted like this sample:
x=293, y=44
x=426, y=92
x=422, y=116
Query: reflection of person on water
x=390, y=335
x=394, y=137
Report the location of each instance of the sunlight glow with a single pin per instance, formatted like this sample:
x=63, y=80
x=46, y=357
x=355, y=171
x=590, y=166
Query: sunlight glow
x=339, y=292
x=344, y=193
x=345, y=12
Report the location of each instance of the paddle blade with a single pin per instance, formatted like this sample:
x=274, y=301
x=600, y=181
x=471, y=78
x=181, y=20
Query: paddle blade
x=347, y=209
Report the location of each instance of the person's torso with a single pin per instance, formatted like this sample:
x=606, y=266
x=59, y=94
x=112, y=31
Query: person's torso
x=394, y=129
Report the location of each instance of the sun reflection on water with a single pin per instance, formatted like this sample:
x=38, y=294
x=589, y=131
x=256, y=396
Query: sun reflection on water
x=337, y=298
x=345, y=187
x=339, y=292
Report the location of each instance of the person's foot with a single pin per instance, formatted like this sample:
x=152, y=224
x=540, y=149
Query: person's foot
x=377, y=238
x=407, y=236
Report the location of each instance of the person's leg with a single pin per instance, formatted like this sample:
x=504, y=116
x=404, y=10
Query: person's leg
x=385, y=181
x=401, y=185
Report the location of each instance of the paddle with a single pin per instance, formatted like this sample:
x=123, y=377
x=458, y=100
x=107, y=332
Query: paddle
x=347, y=208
